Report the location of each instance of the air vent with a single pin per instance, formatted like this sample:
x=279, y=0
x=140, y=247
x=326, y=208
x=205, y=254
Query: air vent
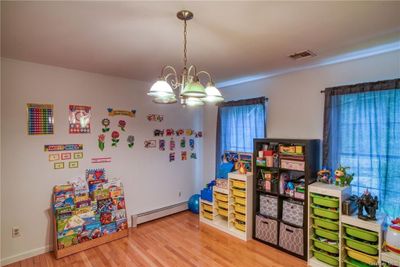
x=303, y=54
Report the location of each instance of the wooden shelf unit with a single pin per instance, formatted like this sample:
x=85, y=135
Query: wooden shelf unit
x=226, y=224
x=311, y=148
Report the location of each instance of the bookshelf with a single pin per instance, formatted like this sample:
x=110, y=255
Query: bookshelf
x=282, y=173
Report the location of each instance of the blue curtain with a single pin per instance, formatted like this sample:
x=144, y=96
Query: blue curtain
x=239, y=122
x=364, y=134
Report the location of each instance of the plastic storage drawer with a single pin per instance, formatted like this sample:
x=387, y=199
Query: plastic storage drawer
x=269, y=206
x=325, y=257
x=291, y=239
x=326, y=213
x=267, y=229
x=325, y=201
x=325, y=223
x=371, y=260
x=361, y=246
x=293, y=212
x=361, y=233
x=325, y=246
x=326, y=233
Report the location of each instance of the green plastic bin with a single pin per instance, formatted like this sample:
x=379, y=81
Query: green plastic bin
x=325, y=201
x=325, y=246
x=325, y=223
x=349, y=262
x=324, y=257
x=326, y=233
x=362, y=246
x=325, y=213
x=361, y=233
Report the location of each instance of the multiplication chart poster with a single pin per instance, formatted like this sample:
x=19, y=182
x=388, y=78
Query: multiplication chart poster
x=40, y=119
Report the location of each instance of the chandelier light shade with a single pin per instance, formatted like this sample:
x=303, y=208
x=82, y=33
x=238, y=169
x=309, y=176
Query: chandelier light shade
x=188, y=85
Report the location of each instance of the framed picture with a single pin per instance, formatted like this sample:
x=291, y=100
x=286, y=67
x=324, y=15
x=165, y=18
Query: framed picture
x=78, y=155
x=73, y=164
x=58, y=165
x=65, y=156
x=54, y=157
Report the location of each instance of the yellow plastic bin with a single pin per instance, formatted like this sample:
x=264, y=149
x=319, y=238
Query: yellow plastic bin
x=221, y=197
x=240, y=200
x=223, y=204
x=240, y=209
x=240, y=226
x=240, y=217
x=239, y=184
x=371, y=260
x=223, y=212
x=207, y=207
x=207, y=215
x=239, y=192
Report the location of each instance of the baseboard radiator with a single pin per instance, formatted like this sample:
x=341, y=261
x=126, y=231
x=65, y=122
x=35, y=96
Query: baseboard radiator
x=158, y=213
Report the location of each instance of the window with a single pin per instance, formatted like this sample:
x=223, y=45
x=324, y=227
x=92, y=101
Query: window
x=362, y=131
x=239, y=122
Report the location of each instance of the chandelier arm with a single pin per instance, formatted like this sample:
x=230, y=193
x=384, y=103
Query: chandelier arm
x=210, y=80
x=192, y=67
x=165, y=68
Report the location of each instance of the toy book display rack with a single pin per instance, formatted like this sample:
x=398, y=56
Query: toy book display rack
x=88, y=214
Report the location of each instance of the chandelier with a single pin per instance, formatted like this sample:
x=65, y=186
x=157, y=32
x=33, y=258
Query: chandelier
x=191, y=91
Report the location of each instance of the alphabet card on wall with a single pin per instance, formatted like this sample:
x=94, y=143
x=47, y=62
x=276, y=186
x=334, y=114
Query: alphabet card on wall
x=171, y=156
x=40, y=119
x=155, y=117
x=161, y=145
x=191, y=143
x=183, y=142
x=150, y=143
x=79, y=119
x=172, y=144
x=183, y=155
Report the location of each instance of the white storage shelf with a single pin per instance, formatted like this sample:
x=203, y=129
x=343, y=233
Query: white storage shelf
x=227, y=224
x=342, y=193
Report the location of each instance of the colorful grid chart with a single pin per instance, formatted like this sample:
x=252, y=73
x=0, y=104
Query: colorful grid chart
x=40, y=119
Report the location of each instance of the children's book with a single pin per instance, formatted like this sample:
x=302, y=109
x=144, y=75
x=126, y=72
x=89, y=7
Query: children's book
x=105, y=205
x=119, y=202
x=89, y=232
x=118, y=215
x=109, y=228
x=106, y=217
x=122, y=224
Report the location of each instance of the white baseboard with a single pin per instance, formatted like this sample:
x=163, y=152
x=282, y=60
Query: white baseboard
x=158, y=213
x=140, y=218
x=26, y=254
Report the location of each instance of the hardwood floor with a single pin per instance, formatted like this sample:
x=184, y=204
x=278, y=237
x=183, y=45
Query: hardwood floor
x=177, y=240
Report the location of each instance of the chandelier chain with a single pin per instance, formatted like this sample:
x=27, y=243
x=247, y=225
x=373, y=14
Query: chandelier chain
x=184, y=45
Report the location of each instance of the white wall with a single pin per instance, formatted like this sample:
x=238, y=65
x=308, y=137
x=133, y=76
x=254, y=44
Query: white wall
x=296, y=106
x=28, y=178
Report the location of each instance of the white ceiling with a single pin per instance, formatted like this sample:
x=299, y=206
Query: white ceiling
x=229, y=39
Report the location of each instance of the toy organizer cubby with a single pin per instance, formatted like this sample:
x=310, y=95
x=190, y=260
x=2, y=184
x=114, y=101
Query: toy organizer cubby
x=283, y=170
x=362, y=241
x=230, y=208
x=324, y=231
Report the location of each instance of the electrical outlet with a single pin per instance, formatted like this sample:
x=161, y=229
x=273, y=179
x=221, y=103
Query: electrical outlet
x=16, y=232
x=179, y=194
